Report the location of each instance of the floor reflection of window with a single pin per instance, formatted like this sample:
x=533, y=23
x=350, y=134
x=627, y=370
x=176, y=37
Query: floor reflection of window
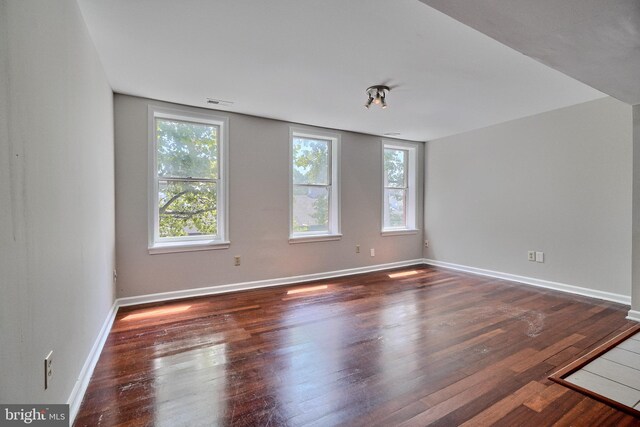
x=191, y=385
x=401, y=333
x=314, y=361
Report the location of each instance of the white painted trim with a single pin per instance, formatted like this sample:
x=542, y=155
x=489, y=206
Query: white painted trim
x=634, y=315
x=608, y=296
x=235, y=287
x=168, y=248
x=412, y=184
x=77, y=394
x=316, y=238
x=399, y=232
x=222, y=122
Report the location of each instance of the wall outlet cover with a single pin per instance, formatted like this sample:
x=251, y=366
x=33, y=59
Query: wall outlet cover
x=48, y=369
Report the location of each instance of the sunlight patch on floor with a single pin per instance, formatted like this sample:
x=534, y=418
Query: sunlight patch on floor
x=157, y=312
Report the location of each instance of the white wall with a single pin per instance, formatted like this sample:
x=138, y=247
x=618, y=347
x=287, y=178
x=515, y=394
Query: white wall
x=258, y=210
x=57, y=204
x=635, y=295
x=557, y=182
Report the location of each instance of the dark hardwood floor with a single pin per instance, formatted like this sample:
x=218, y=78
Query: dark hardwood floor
x=436, y=347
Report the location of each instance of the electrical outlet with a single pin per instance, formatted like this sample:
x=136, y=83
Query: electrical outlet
x=357, y=249
x=236, y=260
x=372, y=251
x=539, y=256
x=426, y=243
x=531, y=255
x=48, y=369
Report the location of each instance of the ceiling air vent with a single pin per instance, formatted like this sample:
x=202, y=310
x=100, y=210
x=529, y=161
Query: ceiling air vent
x=219, y=102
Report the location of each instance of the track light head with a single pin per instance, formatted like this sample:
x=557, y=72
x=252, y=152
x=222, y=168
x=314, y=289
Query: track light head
x=369, y=101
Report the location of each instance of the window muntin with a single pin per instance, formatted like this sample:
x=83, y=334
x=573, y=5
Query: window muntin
x=314, y=195
x=188, y=191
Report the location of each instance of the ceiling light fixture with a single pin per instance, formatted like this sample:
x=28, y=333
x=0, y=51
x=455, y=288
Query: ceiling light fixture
x=377, y=95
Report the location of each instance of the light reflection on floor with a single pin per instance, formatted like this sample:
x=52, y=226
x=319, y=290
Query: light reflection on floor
x=176, y=392
x=402, y=274
x=157, y=312
x=307, y=289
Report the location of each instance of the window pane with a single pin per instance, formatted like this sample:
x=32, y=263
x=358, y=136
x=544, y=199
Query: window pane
x=311, y=161
x=395, y=208
x=187, y=208
x=187, y=150
x=395, y=168
x=310, y=208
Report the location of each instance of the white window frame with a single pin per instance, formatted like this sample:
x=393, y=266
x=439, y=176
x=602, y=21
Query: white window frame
x=412, y=188
x=158, y=245
x=334, y=195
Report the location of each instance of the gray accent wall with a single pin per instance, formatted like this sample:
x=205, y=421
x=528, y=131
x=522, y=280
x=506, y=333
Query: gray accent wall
x=258, y=210
x=56, y=198
x=557, y=182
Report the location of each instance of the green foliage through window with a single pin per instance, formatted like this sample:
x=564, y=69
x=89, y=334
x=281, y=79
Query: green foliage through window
x=188, y=173
x=311, y=184
x=395, y=187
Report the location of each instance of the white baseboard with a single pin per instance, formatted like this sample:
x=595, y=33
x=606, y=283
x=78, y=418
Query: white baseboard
x=77, y=394
x=634, y=315
x=234, y=287
x=608, y=296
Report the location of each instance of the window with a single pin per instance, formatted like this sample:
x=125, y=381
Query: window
x=399, y=188
x=314, y=189
x=188, y=185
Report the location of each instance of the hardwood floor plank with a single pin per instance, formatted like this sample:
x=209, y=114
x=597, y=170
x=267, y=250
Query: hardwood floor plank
x=542, y=400
x=503, y=407
x=445, y=407
x=547, y=353
x=477, y=378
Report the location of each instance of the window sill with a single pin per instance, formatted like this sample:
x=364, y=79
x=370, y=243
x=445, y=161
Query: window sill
x=399, y=232
x=207, y=245
x=318, y=238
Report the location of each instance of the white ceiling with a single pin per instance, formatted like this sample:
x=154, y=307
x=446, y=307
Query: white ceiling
x=311, y=61
x=594, y=41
